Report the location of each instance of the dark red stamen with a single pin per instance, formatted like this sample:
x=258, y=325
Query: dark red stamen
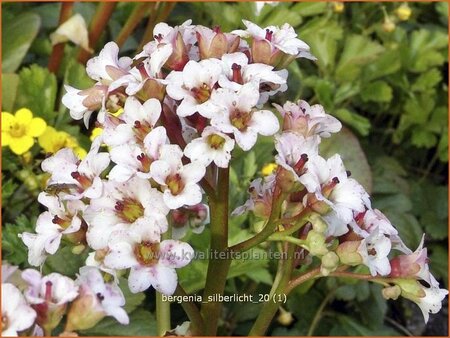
x=216, y=29
x=48, y=291
x=237, y=76
x=299, y=166
x=269, y=34
x=119, y=206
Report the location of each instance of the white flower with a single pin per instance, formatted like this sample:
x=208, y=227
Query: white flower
x=284, y=38
x=66, y=168
x=82, y=103
x=308, y=120
x=107, y=67
x=194, y=86
x=132, y=159
x=374, y=250
x=52, y=289
x=431, y=302
x=239, y=117
x=178, y=181
x=128, y=205
x=17, y=315
x=61, y=219
x=237, y=71
x=294, y=152
x=152, y=263
x=261, y=195
x=106, y=298
x=343, y=194
x=213, y=146
x=373, y=219
x=138, y=120
x=414, y=264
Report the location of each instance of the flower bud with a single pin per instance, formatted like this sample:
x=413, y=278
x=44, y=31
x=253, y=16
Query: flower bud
x=348, y=253
x=388, y=25
x=285, y=318
x=338, y=7
x=403, y=12
x=179, y=56
x=321, y=207
x=319, y=225
x=315, y=242
x=262, y=52
x=330, y=261
x=391, y=292
x=84, y=313
x=152, y=89
x=287, y=181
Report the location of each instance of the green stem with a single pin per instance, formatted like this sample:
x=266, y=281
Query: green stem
x=97, y=27
x=162, y=307
x=270, y=308
x=58, y=49
x=133, y=20
x=290, y=239
x=218, y=265
x=192, y=312
x=318, y=314
x=162, y=315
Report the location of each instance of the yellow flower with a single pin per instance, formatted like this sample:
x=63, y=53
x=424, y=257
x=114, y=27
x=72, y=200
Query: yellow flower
x=52, y=141
x=338, y=7
x=19, y=130
x=268, y=169
x=403, y=12
x=97, y=131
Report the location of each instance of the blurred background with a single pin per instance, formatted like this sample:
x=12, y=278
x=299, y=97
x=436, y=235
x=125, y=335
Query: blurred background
x=382, y=69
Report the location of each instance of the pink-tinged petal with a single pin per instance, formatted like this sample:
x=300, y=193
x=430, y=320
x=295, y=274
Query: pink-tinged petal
x=265, y=122
x=36, y=248
x=193, y=172
x=246, y=140
x=120, y=256
x=52, y=202
x=140, y=279
x=163, y=279
x=119, y=314
x=175, y=86
x=95, y=190
x=159, y=57
x=172, y=155
x=154, y=141
x=159, y=171
x=52, y=244
x=121, y=173
x=175, y=254
x=152, y=108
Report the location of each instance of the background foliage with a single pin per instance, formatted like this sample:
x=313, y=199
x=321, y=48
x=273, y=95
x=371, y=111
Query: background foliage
x=389, y=88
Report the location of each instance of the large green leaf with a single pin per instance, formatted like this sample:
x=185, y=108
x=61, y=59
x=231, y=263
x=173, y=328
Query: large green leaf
x=347, y=145
x=377, y=91
x=10, y=83
x=17, y=36
x=37, y=91
x=358, y=51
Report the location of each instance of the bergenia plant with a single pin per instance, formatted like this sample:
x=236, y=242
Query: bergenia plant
x=172, y=119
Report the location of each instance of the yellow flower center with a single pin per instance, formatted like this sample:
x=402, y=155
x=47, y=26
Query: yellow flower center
x=147, y=253
x=18, y=129
x=216, y=141
x=240, y=119
x=201, y=94
x=129, y=210
x=175, y=184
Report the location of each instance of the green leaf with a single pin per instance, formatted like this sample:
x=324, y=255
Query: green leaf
x=309, y=8
x=17, y=36
x=427, y=80
x=356, y=121
x=378, y=91
x=142, y=323
x=324, y=90
x=387, y=63
x=133, y=300
x=347, y=145
x=13, y=249
x=10, y=83
x=358, y=51
x=37, y=92
x=443, y=147
x=261, y=276
x=345, y=292
x=439, y=262
x=250, y=166
x=65, y=262
x=423, y=138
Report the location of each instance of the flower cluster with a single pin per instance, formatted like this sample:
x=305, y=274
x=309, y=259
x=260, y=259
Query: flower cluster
x=36, y=304
x=170, y=119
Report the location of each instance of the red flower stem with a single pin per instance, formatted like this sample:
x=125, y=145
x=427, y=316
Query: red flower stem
x=133, y=20
x=58, y=49
x=97, y=27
